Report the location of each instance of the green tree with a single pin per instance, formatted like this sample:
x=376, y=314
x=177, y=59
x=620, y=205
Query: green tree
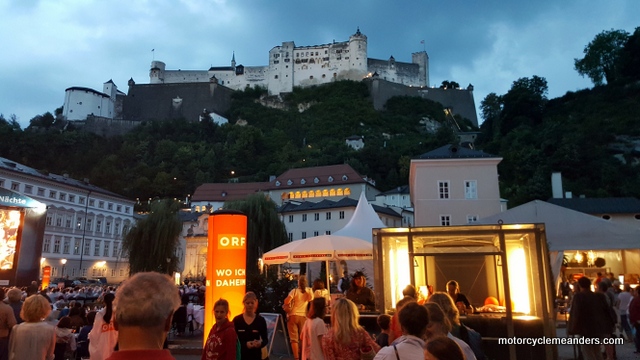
x=265, y=230
x=601, y=57
x=630, y=58
x=151, y=243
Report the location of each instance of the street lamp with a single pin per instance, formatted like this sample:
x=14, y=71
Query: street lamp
x=64, y=262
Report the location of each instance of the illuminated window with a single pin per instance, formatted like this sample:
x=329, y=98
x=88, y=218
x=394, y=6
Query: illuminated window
x=347, y=192
x=312, y=194
x=304, y=195
x=340, y=192
x=298, y=195
x=325, y=192
x=318, y=193
x=332, y=192
x=291, y=196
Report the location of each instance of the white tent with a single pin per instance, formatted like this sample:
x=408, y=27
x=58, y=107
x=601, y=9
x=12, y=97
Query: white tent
x=572, y=230
x=360, y=226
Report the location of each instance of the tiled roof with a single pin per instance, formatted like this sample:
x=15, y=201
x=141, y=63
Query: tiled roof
x=329, y=204
x=228, y=191
x=625, y=205
x=455, y=152
x=13, y=166
x=318, y=176
x=404, y=189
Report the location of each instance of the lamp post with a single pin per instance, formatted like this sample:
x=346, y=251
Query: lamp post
x=64, y=263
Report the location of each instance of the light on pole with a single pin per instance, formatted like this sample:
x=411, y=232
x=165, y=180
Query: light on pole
x=64, y=263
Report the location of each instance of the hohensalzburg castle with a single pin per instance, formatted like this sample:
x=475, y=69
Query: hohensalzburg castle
x=191, y=94
x=291, y=65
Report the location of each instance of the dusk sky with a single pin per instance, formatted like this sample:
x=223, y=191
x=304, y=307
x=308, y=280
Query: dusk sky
x=49, y=46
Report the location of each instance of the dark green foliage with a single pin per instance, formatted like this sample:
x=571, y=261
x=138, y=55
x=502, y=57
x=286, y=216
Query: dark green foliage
x=572, y=134
x=601, y=59
x=265, y=231
x=151, y=243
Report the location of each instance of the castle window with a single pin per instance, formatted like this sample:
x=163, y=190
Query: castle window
x=316, y=180
x=347, y=192
x=318, y=193
x=339, y=192
x=298, y=195
x=289, y=182
x=275, y=77
x=303, y=181
x=330, y=179
x=324, y=76
x=286, y=60
x=332, y=192
x=311, y=77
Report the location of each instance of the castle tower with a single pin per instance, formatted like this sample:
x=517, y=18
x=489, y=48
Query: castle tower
x=156, y=74
x=422, y=59
x=358, y=53
x=110, y=89
x=233, y=60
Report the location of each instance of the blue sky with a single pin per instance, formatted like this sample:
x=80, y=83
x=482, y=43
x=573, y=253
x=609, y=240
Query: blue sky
x=49, y=46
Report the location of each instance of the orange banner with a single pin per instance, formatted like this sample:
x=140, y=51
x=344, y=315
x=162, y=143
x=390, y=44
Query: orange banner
x=226, y=263
x=46, y=276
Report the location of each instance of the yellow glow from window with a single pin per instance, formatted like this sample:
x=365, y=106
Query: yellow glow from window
x=518, y=280
x=304, y=194
x=298, y=195
x=325, y=192
x=340, y=192
x=347, y=192
x=332, y=192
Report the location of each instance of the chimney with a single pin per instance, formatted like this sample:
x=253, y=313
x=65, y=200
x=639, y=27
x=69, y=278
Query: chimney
x=556, y=185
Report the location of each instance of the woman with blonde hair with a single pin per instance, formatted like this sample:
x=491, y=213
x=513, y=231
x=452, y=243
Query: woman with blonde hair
x=296, y=318
x=33, y=339
x=450, y=310
x=251, y=329
x=347, y=339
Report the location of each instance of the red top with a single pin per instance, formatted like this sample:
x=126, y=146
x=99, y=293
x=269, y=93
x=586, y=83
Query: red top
x=221, y=343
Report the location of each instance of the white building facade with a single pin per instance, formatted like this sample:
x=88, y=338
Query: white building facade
x=84, y=223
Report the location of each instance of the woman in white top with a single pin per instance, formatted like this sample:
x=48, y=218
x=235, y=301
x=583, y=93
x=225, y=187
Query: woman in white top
x=297, y=316
x=103, y=336
x=313, y=330
x=440, y=325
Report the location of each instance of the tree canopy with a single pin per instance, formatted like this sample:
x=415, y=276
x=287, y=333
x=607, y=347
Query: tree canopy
x=601, y=59
x=152, y=242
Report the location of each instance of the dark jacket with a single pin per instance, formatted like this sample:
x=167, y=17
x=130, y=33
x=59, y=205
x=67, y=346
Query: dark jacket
x=590, y=315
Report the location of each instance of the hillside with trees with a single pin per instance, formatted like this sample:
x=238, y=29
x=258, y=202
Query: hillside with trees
x=592, y=136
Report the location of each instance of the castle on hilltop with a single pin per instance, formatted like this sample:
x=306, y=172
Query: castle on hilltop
x=291, y=66
x=196, y=94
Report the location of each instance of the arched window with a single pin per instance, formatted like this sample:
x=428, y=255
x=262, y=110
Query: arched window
x=291, y=195
x=325, y=192
x=347, y=191
x=340, y=192
x=318, y=193
x=298, y=195
x=304, y=194
x=332, y=192
x=312, y=194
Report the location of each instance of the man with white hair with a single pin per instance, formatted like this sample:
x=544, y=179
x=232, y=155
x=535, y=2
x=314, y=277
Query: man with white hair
x=144, y=307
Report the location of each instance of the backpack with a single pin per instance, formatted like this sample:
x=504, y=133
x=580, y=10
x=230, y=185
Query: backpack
x=473, y=339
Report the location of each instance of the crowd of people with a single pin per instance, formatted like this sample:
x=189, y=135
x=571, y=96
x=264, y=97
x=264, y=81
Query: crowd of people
x=601, y=313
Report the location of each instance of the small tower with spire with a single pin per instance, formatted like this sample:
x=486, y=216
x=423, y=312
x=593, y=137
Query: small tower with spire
x=233, y=60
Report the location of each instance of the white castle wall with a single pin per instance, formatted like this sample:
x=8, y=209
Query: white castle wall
x=80, y=102
x=303, y=66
